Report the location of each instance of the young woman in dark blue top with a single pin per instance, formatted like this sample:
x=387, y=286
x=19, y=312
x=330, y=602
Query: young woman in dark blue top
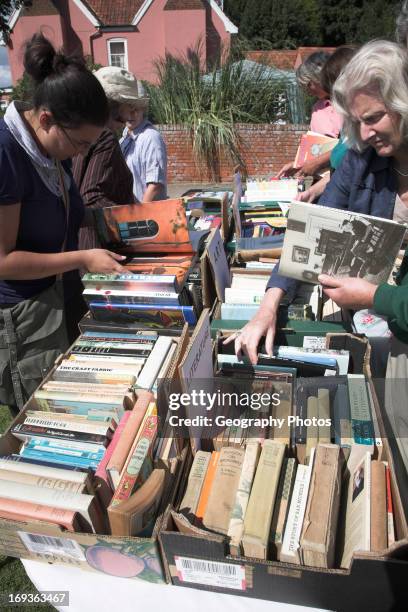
x=41, y=212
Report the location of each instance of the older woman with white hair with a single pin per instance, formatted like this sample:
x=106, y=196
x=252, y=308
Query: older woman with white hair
x=372, y=95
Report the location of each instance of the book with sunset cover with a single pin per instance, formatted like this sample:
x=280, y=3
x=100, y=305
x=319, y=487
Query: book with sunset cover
x=312, y=145
x=153, y=227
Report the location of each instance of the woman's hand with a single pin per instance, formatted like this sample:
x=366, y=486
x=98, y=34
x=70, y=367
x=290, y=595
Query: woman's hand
x=102, y=261
x=263, y=324
x=354, y=293
x=286, y=171
x=314, y=192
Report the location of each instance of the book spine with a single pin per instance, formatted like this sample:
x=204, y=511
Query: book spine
x=156, y=297
x=291, y=538
x=24, y=432
x=26, y=511
x=154, y=362
x=101, y=469
x=324, y=431
x=361, y=421
x=342, y=421
x=71, y=425
x=139, y=466
x=48, y=464
x=66, y=446
x=60, y=459
x=281, y=510
x=236, y=525
x=16, y=463
x=390, y=513
x=41, y=481
x=118, y=351
x=128, y=437
x=195, y=482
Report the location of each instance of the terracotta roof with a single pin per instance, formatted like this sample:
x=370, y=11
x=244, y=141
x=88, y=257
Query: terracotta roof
x=284, y=59
x=115, y=12
x=183, y=5
x=38, y=8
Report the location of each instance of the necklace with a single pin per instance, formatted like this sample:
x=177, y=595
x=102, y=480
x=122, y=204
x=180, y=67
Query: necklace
x=400, y=172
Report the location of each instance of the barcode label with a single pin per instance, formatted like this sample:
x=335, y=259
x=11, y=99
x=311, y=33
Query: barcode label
x=42, y=544
x=317, y=342
x=213, y=573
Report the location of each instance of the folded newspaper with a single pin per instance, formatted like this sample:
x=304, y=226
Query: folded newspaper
x=323, y=240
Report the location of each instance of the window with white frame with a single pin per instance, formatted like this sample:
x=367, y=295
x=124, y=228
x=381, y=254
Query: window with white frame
x=117, y=52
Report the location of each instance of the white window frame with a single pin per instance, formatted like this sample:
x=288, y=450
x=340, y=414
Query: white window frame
x=117, y=40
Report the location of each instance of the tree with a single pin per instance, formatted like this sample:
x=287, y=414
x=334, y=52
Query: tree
x=6, y=9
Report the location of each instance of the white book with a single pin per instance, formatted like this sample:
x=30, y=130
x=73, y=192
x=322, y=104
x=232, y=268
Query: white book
x=85, y=504
x=236, y=525
x=41, y=481
x=249, y=282
x=242, y=296
x=357, y=528
x=295, y=352
x=44, y=471
x=93, y=359
x=85, y=427
x=290, y=551
x=154, y=362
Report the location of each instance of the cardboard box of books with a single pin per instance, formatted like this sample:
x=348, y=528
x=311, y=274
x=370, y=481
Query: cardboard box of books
x=307, y=514
x=169, y=276
x=90, y=464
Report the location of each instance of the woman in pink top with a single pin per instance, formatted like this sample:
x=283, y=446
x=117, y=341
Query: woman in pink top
x=324, y=119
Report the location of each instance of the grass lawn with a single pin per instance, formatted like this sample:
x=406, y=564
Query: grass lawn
x=13, y=578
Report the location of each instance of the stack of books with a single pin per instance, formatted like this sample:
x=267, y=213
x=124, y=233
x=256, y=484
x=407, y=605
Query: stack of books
x=206, y=210
x=153, y=290
x=272, y=504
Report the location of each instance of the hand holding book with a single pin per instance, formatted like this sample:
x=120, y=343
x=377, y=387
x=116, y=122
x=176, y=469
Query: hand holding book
x=354, y=293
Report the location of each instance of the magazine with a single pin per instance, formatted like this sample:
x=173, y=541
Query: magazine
x=323, y=240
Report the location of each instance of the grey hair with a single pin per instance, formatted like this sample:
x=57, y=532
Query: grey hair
x=401, y=30
x=380, y=68
x=311, y=68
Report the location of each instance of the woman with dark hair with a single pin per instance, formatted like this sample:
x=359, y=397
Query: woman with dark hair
x=40, y=215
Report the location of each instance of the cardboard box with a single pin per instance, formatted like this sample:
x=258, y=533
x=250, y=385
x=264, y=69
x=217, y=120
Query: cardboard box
x=375, y=582
x=126, y=557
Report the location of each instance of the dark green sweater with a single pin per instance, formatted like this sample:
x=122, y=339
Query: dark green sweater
x=392, y=301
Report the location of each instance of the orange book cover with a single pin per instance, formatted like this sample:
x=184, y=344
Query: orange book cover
x=208, y=482
x=27, y=511
x=312, y=145
x=153, y=227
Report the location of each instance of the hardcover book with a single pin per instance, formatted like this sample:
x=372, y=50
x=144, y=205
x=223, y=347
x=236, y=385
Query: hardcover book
x=323, y=240
x=313, y=144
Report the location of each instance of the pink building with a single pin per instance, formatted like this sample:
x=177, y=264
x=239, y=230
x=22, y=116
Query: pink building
x=128, y=33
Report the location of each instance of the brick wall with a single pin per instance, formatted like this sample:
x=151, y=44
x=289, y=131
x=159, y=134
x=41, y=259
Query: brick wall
x=265, y=148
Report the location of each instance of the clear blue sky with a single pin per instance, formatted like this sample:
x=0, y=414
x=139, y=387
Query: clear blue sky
x=5, y=77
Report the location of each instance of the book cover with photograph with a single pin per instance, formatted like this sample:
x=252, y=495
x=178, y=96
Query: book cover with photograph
x=323, y=240
x=153, y=227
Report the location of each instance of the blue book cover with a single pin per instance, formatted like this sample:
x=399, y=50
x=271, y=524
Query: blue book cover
x=156, y=315
x=65, y=466
x=60, y=459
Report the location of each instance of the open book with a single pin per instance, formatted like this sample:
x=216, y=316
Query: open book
x=323, y=240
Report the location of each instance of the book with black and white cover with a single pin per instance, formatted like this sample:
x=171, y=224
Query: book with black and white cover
x=323, y=240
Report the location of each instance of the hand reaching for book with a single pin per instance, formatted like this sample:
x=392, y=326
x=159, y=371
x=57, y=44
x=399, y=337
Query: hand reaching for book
x=262, y=324
x=355, y=293
x=102, y=261
x=286, y=171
